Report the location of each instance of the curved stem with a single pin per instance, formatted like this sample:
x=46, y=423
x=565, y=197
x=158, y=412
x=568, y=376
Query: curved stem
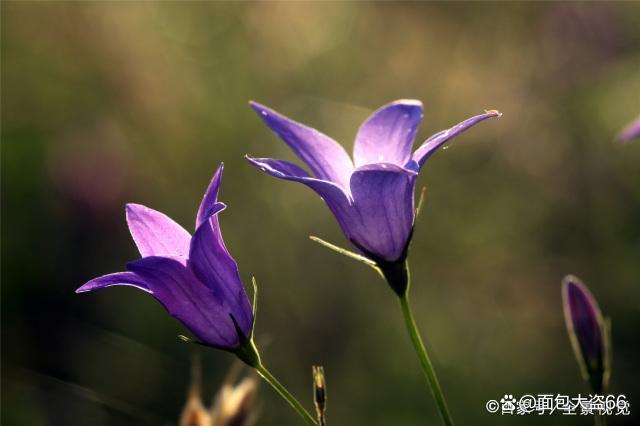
x=425, y=361
x=269, y=378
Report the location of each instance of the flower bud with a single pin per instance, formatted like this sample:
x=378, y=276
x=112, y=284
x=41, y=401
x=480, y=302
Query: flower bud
x=588, y=332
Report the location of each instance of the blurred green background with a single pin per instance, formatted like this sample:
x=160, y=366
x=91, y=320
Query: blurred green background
x=108, y=103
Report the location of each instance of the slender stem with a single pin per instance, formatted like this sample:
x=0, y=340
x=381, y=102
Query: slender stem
x=269, y=378
x=600, y=420
x=427, y=367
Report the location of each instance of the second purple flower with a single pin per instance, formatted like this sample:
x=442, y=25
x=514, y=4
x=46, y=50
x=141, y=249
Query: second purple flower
x=372, y=197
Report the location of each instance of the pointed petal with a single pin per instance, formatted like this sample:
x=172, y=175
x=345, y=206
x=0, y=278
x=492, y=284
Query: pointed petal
x=383, y=197
x=387, y=135
x=175, y=286
x=439, y=139
x=155, y=233
x=324, y=156
x=119, y=278
x=332, y=194
x=210, y=206
x=215, y=267
x=210, y=197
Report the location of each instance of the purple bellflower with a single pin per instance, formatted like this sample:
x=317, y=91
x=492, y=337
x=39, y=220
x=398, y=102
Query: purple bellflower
x=588, y=332
x=372, y=197
x=193, y=277
x=630, y=132
x=197, y=281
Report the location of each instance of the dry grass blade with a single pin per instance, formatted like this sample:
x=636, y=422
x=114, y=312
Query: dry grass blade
x=319, y=393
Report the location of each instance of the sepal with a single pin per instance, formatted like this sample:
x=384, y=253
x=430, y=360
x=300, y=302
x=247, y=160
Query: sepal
x=420, y=202
x=255, y=304
x=397, y=276
x=395, y=273
x=346, y=252
x=247, y=351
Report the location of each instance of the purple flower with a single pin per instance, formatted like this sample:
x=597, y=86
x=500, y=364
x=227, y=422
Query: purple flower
x=373, y=199
x=630, y=132
x=587, y=331
x=194, y=277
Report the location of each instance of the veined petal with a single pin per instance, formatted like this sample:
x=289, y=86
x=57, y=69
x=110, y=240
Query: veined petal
x=176, y=287
x=388, y=134
x=156, y=234
x=324, y=156
x=436, y=141
x=210, y=197
x=215, y=267
x=332, y=194
x=383, y=198
x=119, y=278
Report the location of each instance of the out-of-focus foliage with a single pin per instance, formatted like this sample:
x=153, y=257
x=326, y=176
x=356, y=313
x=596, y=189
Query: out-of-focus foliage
x=109, y=102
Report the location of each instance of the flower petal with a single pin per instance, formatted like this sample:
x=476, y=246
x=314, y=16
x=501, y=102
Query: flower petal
x=156, y=234
x=209, y=207
x=201, y=310
x=214, y=266
x=335, y=197
x=324, y=156
x=387, y=135
x=383, y=198
x=119, y=278
x=210, y=197
x=436, y=141
x=630, y=132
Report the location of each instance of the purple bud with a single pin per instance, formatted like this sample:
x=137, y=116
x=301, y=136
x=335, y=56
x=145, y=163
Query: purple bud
x=587, y=331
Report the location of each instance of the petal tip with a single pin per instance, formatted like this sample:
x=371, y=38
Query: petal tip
x=217, y=208
x=133, y=207
x=214, y=185
x=573, y=287
x=410, y=102
x=263, y=164
x=259, y=108
x=571, y=280
x=252, y=160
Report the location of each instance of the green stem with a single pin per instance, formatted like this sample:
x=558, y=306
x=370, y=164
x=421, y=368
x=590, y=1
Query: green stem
x=268, y=377
x=427, y=367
